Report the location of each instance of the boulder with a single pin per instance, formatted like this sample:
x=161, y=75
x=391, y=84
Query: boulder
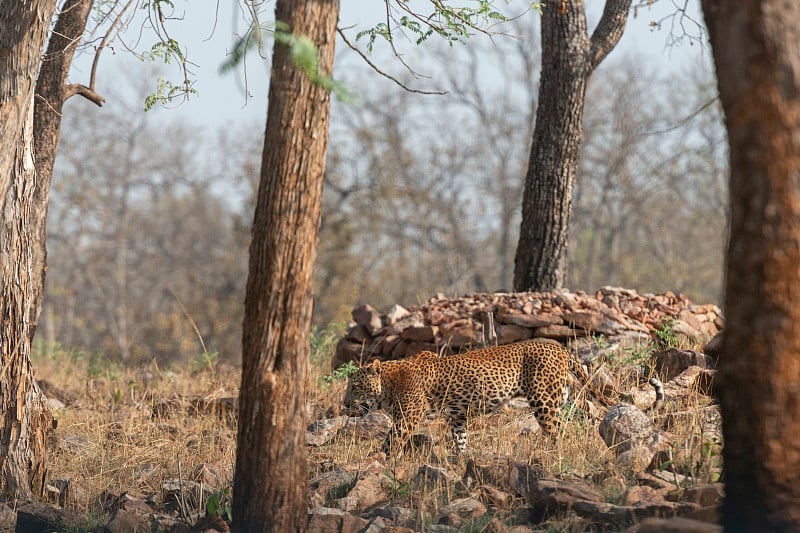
x=365, y=315
x=461, y=511
x=672, y=362
x=624, y=427
x=501, y=472
x=322, y=520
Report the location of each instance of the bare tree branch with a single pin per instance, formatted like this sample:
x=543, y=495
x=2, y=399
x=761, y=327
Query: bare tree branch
x=608, y=31
x=379, y=71
x=76, y=88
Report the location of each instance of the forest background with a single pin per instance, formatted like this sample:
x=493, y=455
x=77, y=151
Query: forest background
x=150, y=213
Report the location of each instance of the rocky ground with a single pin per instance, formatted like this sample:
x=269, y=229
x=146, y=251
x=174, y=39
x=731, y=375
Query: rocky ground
x=636, y=466
x=150, y=450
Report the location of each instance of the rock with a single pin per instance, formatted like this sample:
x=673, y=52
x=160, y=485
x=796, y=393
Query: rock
x=499, y=499
x=712, y=348
x=508, y=333
x=585, y=320
x=693, y=379
x=211, y=524
x=177, y=493
x=674, y=525
x=616, y=516
x=430, y=476
x=211, y=474
x=35, y=517
x=554, y=497
x=8, y=518
x=463, y=322
x=320, y=432
x=468, y=336
x=346, y=351
x=331, y=486
x=460, y=511
x=558, y=332
x=54, y=404
x=411, y=348
x=126, y=522
x=501, y=472
x=670, y=363
x=624, y=427
x=420, y=333
x=641, y=494
x=375, y=424
x=635, y=459
x=365, y=315
x=403, y=517
x=396, y=313
x=527, y=320
x=321, y=520
x=370, y=489
x=52, y=392
x=413, y=320
x=67, y=493
x=75, y=444
x=705, y=495
x=441, y=528
x=528, y=425
x=359, y=335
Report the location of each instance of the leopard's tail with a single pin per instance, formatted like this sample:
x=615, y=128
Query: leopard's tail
x=659, y=387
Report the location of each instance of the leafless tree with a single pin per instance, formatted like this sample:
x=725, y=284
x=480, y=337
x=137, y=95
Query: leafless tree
x=569, y=57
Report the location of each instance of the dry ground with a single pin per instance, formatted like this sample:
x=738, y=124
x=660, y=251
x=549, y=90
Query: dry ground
x=134, y=429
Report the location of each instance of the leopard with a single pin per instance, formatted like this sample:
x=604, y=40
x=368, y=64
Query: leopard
x=456, y=386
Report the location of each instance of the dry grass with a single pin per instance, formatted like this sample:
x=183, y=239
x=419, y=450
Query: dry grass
x=130, y=430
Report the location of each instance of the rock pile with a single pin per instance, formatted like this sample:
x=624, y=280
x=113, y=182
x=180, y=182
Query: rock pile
x=648, y=467
x=454, y=325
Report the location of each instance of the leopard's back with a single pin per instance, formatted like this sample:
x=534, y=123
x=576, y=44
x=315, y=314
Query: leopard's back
x=470, y=383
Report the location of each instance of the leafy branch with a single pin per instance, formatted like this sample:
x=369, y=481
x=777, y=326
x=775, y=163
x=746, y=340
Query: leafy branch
x=454, y=24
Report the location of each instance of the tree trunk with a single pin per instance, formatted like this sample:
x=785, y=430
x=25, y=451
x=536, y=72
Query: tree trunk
x=755, y=45
x=569, y=57
x=270, y=488
x=25, y=420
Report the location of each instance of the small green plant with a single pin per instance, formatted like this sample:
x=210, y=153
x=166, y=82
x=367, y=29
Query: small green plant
x=205, y=361
x=220, y=504
x=340, y=374
x=634, y=355
x=666, y=337
x=398, y=489
x=98, y=365
x=601, y=341
x=323, y=342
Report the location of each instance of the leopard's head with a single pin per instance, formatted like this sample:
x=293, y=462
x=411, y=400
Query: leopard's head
x=364, y=389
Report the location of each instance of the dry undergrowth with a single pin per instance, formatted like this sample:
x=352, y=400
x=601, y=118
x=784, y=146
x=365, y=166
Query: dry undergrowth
x=131, y=430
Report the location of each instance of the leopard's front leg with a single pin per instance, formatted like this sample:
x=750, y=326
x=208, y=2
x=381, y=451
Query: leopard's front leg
x=458, y=426
x=408, y=411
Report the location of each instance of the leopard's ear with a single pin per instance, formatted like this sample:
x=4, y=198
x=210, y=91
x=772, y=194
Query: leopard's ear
x=375, y=366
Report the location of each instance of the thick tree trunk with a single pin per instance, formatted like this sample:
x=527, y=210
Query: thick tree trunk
x=270, y=485
x=757, y=59
x=569, y=57
x=25, y=420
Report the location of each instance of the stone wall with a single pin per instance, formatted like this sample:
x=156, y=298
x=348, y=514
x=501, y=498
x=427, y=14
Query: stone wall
x=454, y=325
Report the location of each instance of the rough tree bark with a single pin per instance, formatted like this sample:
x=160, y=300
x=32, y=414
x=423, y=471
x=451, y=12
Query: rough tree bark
x=270, y=489
x=757, y=58
x=569, y=56
x=25, y=420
